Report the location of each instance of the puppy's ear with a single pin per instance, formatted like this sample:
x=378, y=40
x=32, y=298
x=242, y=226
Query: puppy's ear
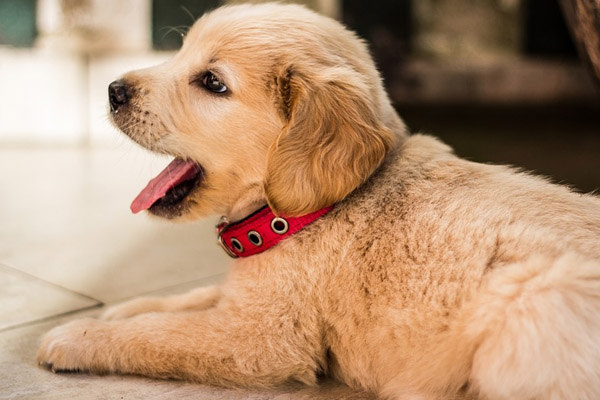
x=332, y=141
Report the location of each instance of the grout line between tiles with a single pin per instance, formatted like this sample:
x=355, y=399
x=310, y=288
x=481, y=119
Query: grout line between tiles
x=49, y=317
x=11, y=269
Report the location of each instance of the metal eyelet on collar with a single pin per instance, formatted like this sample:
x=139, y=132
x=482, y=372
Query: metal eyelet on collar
x=237, y=245
x=279, y=225
x=255, y=238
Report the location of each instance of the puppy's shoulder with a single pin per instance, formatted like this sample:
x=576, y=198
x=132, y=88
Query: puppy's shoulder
x=421, y=147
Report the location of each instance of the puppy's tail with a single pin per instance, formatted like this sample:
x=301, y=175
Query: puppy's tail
x=537, y=329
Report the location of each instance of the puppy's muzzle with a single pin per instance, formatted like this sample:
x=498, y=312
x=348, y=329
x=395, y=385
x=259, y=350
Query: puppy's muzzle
x=118, y=94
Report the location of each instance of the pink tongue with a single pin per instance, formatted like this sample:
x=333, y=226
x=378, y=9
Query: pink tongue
x=177, y=171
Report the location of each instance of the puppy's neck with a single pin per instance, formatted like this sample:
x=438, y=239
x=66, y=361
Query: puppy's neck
x=251, y=200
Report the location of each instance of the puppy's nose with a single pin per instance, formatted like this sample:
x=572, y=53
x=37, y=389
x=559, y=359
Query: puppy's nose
x=118, y=94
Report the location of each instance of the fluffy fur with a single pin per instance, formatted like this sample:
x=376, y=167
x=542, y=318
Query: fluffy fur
x=432, y=278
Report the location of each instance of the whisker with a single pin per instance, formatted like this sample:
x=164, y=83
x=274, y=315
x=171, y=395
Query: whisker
x=188, y=12
x=181, y=29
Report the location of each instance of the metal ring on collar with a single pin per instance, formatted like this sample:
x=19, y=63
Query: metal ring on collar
x=279, y=225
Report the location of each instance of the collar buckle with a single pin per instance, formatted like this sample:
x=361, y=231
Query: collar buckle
x=221, y=227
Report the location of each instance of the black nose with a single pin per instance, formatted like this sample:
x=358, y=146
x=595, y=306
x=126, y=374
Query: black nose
x=118, y=94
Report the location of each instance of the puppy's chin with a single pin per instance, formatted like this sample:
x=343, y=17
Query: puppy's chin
x=173, y=214
x=178, y=202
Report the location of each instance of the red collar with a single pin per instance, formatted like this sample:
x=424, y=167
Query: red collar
x=260, y=231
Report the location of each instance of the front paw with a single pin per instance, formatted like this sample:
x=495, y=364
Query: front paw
x=74, y=347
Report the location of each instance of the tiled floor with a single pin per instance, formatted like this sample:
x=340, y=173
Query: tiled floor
x=69, y=246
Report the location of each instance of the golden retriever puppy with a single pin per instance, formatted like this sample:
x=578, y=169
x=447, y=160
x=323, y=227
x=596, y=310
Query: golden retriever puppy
x=381, y=259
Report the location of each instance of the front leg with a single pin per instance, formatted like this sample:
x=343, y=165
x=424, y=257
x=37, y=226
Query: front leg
x=223, y=346
x=198, y=299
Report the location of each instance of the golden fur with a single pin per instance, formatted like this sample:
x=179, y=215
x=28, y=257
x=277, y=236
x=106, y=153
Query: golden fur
x=432, y=278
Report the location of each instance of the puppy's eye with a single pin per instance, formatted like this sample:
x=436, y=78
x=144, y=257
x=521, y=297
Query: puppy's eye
x=212, y=83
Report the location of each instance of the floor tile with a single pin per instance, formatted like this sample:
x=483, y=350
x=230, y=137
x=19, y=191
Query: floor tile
x=24, y=299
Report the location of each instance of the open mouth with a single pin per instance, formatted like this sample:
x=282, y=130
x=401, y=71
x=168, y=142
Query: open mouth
x=169, y=189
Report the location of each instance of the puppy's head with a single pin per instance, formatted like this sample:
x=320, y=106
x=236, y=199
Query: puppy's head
x=263, y=103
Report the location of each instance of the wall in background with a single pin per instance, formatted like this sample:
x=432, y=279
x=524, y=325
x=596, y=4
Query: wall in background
x=53, y=83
